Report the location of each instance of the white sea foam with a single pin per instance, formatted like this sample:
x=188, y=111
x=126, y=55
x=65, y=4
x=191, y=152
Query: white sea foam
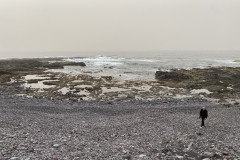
x=143, y=60
x=98, y=60
x=226, y=61
x=108, y=63
x=144, y=68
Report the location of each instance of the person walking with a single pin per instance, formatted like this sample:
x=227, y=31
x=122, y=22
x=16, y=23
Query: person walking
x=203, y=115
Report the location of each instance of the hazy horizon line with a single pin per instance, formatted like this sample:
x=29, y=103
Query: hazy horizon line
x=93, y=51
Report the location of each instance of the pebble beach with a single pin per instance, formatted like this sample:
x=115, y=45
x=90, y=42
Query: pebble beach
x=34, y=128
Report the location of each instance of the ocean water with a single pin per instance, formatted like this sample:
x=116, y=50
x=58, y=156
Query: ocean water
x=143, y=66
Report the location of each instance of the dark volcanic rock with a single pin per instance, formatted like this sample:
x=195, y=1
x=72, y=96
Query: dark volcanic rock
x=59, y=65
x=19, y=64
x=33, y=81
x=223, y=82
x=174, y=76
x=51, y=82
x=109, y=78
x=4, y=72
x=30, y=64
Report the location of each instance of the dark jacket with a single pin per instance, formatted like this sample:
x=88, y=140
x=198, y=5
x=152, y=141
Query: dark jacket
x=203, y=114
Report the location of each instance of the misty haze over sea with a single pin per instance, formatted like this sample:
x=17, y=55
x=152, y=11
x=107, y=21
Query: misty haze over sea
x=127, y=54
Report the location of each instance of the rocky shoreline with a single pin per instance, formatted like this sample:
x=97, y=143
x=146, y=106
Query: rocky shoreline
x=84, y=117
x=34, y=78
x=221, y=82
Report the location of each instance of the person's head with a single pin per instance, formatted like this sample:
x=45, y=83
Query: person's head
x=203, y=108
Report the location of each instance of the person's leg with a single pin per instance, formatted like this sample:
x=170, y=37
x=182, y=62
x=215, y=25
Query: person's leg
x=202, y=125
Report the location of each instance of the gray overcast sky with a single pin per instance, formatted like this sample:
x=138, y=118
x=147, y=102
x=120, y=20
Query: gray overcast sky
x=118, y=25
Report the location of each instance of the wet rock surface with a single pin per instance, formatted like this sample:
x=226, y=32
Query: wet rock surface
x=33, y=128
x=222, y=82
x=173, y=76
x=36, y=63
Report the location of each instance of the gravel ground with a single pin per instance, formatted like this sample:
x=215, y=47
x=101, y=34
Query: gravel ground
x=33, y=128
